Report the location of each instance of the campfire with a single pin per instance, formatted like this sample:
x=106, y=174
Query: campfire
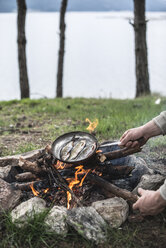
x=81, y=182
x=77, y=182
x=77, y=178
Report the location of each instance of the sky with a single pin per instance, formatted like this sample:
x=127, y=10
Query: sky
x=82, y=5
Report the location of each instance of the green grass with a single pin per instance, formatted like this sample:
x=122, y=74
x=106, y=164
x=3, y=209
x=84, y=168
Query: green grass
x=37, y=235
x=115, y=116
x=157, y=142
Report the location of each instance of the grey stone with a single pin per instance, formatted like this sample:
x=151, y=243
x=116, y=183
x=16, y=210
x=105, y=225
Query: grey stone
x=27, y=210
x=4, y=171
x=139, y=164
x=140, y=168
x=56, y=220
x=9, y=196
x=150, y=182
x=88, y=223
x=113, y=210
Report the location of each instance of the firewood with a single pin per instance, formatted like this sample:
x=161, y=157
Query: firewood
x=9, y=196
x=116, y=170
x=30, y=166
x=106, y=193
x=48, y=149
x=26, y=176
x=118, y=153
x=125, y=194
x=60, y=181
x=63, y=166
x=14, y=159
x=25, y=186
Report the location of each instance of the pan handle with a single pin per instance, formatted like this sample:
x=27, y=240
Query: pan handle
x=141, y=142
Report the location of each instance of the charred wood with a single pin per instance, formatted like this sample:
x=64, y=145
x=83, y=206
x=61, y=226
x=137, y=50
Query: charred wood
x=119, y=153
x=63, y=184
x=115, y=172
x=31, y=166
x=26, y=176
x=24, y=186
x=125, y=194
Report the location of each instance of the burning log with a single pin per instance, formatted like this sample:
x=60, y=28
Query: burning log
x=25, y=186
x=116, y=171
x=26, y=176
x=118, y=153
x=125, y=194
x=62, y=183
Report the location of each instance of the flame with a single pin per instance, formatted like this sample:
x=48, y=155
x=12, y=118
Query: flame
x=75, y=181
x=92, y=125
x=59, y=165
x=98, y=151
x=35, y=192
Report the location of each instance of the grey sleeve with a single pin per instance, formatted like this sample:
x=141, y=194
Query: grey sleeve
x=160, y=121
x=163, y=190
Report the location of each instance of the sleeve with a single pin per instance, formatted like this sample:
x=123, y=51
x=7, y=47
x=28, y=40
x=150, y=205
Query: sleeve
x=160, y=121
x=163, y=190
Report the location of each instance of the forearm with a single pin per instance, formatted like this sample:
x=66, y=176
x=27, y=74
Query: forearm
x=153, y=128
x=150, y=129
x=160, y=121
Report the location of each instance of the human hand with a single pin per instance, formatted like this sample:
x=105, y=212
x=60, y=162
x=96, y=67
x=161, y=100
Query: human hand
x=131, y=136
x=150, y=202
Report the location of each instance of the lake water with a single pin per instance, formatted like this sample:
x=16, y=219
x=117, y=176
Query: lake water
x=99, y=58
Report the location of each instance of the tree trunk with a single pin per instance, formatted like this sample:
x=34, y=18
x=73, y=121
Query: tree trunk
x=62, y=26
x=21, y=40
x=142, y=74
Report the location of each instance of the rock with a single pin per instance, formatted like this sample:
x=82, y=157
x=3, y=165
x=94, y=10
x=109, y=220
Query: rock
x=114, y=210
x=8, y=173
x=4, y=171
x=134, y=178
x=88, y=223
x=150, y=182
x=9, y=196
x=56, y=220
x=21, y=214
x=13, y=160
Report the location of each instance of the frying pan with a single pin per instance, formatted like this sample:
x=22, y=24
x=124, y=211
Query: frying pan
x=91, y=143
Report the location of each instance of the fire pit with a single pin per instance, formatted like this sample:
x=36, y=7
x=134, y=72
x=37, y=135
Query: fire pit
x=63, y=186
x=48, y=178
